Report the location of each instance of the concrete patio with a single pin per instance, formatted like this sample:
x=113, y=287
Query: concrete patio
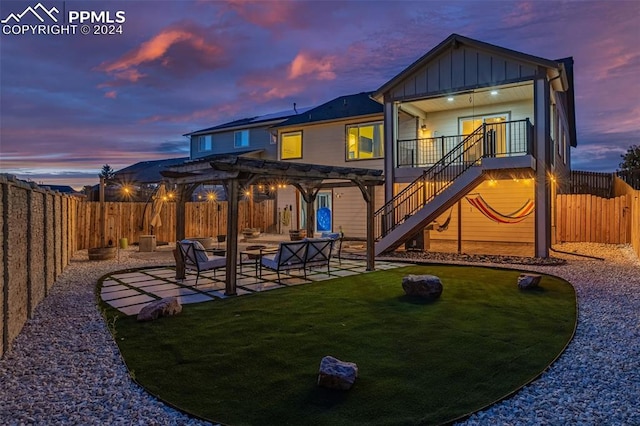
x=129, y=291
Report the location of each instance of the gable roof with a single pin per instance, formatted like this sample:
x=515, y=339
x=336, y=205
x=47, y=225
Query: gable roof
x=63, y=189
x=257, y=121
x=147, y=171
x=453, y=41
x=342, y=107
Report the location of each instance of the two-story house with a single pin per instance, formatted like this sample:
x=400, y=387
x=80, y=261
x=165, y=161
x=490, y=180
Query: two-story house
x=474, y=139
x=477, y=136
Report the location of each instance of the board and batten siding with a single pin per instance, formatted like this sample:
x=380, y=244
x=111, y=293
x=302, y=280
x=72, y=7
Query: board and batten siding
x=505, y=196
x=325, y=143
x=461, y=68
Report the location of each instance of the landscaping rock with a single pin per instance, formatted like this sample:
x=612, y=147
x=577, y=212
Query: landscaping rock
x=425, y=286
x=160, y=308
x=336, y=374
x=527, y=281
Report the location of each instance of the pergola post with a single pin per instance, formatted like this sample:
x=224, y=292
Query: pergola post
x=181, y=204
x=310, y=199
x=232, y=237
x=371, y=202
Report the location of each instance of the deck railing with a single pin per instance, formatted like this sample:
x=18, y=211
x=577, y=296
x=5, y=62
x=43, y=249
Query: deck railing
x=482, y=143
x=510, y=138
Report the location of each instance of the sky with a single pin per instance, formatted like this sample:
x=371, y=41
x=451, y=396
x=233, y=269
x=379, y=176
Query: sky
x=70, y=103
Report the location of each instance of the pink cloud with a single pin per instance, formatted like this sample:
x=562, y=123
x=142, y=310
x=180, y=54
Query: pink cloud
x=522, y=14
x=184, y=49
x=112, y=94
x=157, y=47
x=322, y=68
x=265, y=14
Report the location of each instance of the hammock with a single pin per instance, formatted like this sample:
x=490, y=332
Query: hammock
x=445, y=225
x=518, y=216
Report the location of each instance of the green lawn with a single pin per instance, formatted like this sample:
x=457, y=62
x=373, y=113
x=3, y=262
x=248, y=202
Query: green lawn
x=253, y=360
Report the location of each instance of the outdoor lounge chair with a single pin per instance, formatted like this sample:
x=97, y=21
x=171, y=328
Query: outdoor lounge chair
x=290, y=255
x=195, y=257
x=319, y=252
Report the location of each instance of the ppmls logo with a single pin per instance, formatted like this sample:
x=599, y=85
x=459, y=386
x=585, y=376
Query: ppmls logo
x=50, y=13
x=40, y=20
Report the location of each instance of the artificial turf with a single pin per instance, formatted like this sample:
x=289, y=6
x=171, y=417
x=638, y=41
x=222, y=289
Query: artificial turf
x=253, y=360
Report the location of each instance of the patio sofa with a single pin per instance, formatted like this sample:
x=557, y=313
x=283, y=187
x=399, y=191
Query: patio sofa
x=305, y=254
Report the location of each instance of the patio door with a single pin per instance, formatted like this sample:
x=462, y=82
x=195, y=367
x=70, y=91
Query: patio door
x=496, y=136
x=323, y=212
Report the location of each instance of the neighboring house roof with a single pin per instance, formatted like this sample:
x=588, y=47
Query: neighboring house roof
x=453, y=41
x=63, y=189
x=245, y=123
x=336, y=109
x=147, y=171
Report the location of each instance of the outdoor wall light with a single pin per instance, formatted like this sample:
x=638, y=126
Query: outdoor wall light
x=494, y=92
x=450, y=99
x=423, y=127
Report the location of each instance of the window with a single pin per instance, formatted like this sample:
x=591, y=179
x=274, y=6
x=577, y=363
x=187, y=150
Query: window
x=204, y=143
x=291, y=145
x=365, y=141
x=241, y=139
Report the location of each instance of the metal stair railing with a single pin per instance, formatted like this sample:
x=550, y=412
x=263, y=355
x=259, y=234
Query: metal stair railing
x=434, y=180
x=431, y=183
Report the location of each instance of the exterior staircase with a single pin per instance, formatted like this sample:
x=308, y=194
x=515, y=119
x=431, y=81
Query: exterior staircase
x=436, y=190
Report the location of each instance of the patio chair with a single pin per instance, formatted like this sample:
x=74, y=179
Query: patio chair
x=338, y=237
x=319, y=252
x=290, y=255
x=195, y=257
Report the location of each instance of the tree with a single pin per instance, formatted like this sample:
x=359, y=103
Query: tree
x=631, y=160
x=107, y=173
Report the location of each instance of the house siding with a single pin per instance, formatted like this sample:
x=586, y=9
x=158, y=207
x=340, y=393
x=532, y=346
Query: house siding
x=223, y=143
x=459, y=69
x=505, y=196
x=325, y=143
x=445, y=123
x=350, y=210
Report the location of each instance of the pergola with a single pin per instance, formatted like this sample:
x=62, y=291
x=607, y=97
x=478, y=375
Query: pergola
x=235, y=172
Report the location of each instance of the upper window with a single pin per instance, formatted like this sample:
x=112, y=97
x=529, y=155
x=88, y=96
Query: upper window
x=241, y=139
x=204, y=143
x=365, y=141
x=291, y=145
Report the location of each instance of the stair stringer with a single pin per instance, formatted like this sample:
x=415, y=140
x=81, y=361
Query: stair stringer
x=434, y=208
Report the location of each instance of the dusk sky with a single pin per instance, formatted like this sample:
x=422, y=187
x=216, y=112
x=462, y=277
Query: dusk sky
x=72, y=102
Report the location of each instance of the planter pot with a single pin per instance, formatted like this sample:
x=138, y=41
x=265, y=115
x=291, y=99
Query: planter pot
x=207, y=242
x=250, y=233
x=297, y=234
x=222, y=238
x=102, y=253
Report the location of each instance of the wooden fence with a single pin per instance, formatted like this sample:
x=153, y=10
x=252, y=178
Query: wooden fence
x=594, y=183
x=588, y=218
x=203, y=219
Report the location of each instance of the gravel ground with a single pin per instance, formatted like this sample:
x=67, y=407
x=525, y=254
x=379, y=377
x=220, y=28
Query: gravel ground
x=64, y=368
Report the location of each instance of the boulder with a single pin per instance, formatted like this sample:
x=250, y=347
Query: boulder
x=160, y=308
x=336, y=374
x=425, y=286
x=527, y=281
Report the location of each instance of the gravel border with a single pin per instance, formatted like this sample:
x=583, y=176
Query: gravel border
x=64, y=367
